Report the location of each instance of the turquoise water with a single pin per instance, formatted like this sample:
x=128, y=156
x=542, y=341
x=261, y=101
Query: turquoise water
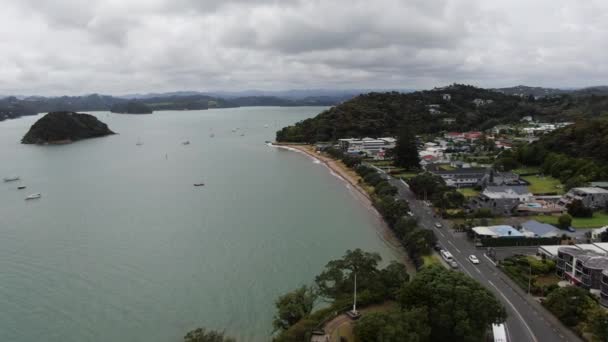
x=122, y=247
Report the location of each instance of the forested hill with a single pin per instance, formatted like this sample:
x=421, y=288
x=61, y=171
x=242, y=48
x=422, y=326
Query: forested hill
x=584, y=139
x=468, y=108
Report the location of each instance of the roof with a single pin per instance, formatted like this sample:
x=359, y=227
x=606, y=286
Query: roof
x=591, y=190
x=599, y=184
x=540, y=229
x=506, y=191
x=461, y=171
x=498, y=231
x=597, y=262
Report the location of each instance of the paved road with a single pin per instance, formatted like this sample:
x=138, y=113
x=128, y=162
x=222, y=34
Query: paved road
x=527, y=319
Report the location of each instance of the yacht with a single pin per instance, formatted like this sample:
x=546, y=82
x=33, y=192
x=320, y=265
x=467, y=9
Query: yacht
x=21, y=187
x=11, y=179
x=199, y=184
x=33, y=196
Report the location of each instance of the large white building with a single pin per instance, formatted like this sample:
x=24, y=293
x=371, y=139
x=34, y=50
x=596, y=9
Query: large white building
x=368, y=146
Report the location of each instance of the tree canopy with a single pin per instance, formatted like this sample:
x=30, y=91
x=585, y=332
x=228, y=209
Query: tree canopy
x=293, y=306
x=204, y=335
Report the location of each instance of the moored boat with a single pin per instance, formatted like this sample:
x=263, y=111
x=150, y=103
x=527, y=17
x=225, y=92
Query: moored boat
x=33, y=196
x=11, y=179
x=199, y=184
x=21, y=187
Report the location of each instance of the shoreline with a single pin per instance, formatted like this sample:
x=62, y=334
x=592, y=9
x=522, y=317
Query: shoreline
x=351, y=178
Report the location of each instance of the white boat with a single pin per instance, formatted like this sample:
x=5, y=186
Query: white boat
x=11, y=179
x=33, y=196
x=266, y=126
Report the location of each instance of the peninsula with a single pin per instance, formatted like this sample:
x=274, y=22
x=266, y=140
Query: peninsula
x=65, y=127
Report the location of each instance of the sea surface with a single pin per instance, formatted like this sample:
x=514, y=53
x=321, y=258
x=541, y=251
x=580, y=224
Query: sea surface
x=123, y=247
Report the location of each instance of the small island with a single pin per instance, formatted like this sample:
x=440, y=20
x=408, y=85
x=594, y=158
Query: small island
x=131, y=107
x=65, y=127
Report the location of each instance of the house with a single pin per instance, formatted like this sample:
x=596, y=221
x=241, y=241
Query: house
x=449, y=121
x=482, y=102
x=501, y=200
x=527, y=118
x=591, y=197
x=434, y=111
x=446, y=97
x=472, y=135
x=534, y=228
x=502, y=178
x=502, y=231
x=454, y=135
x=461, y=177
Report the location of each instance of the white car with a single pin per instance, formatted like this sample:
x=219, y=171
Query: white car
x=438, y=225
x=473, y=259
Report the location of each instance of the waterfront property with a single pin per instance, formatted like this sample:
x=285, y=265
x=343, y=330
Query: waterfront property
x=368, y=146
x=501, y=200
x=461, y=177
x=591, y=197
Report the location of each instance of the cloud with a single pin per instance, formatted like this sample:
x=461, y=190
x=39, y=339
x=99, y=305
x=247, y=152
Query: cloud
x=122, y=46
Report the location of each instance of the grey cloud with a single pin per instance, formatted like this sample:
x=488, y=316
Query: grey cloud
x=119, y=46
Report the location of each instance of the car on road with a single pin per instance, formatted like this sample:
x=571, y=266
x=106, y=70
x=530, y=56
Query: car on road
x=453, y=264
x=437, y=247
x=571, y=230
x=410, y=213
x=438, y=225
x=473, y=259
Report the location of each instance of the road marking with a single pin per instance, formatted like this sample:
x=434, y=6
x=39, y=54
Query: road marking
x=450, y=242
x=440, y=233
x=477, y=269
x=487, y=257
x=508, y=333
x=515, y=310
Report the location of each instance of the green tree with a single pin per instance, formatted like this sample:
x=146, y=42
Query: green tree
x=406, y=152
x=458, y=308
x=293, y=306
x=204, y=335
x=598, y=322
x=426, y=185
x=564, y=221
x=337, y=279
x=576, y=208
x=569, y=304
x=393, y=326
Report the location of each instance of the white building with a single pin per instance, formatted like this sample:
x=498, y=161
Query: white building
x=446, y=97
x=367, y=146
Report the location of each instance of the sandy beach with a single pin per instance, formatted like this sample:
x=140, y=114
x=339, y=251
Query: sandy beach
x=353, y=179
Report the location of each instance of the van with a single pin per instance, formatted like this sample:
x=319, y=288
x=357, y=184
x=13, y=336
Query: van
x=447, y=256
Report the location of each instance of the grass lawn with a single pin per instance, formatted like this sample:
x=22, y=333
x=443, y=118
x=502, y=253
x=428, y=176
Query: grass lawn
x=406, y=175
x=528, y=169
x=468, y=192
x=381, y=162
x=429, y=260
x=598, y=220
x=543, y=185
x=447, y=167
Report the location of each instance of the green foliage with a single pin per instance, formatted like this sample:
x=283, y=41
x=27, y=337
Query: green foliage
x=406, y=152
x=393, y=326
x=427, y=185
x=576, y=208
x=564, y=221
x=457, y=307
x=570, y=304
x=293, y=306
x=598, y=323
x=204, y=335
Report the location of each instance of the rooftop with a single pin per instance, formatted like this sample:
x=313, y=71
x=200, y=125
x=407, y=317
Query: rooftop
x=506, y=191
x=538, y=228
x=498, y=231
x=591, y=190
x=471, y=170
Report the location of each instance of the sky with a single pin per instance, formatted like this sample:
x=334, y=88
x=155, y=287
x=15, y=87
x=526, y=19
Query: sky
x=126, y=46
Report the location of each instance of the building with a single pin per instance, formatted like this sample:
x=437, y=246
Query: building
x=534, y=228
x=596, y=234
x=582, y=267
x=501, y=200
x=502, y=178
x=591, y=197
x=482, y=102
x=368, y=146
x=449, y=121
x=461, y=177
x=502, y=231
x=446, y=97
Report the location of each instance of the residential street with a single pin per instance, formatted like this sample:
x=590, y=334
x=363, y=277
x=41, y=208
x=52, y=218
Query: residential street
x=527, y=319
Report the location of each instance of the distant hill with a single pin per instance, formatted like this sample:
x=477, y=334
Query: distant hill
x=131, y=107
x=584, y=139
x=522, y=90
x=468, y=108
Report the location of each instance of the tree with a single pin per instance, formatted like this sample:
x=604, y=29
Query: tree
x=393, y=326
x=569, y=304
x=576, y=208
x=426, y=185
x=293, y=306
x=337, y=279
x=457, y=307
x=406, y=151
x=564, y=221
x=204, y=335
x=598, y=321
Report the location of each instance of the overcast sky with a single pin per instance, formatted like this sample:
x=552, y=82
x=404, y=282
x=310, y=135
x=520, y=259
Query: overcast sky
x=125, y=46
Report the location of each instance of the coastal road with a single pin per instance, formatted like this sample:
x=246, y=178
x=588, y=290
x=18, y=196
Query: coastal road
x=527, y=319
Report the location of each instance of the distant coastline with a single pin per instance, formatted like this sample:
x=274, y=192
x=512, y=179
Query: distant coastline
x=351, y=178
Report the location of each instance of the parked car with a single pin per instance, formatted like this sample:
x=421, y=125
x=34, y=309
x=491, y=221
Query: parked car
x=438, y=225
x=473, y=259
x=437, y=247
x=571, y=230
x=453, y=264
